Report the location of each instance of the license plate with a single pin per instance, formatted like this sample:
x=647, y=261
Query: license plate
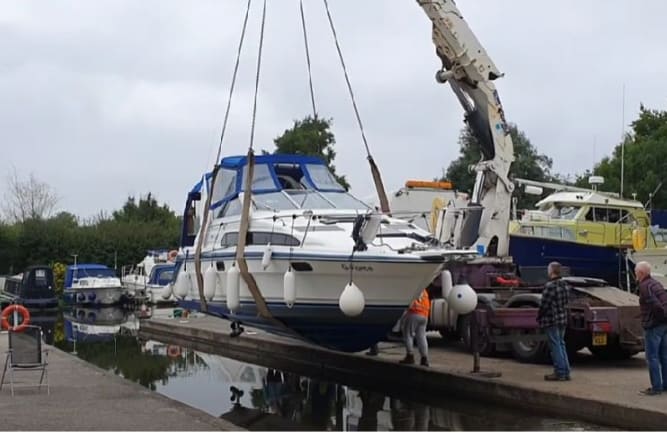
x=599, y=339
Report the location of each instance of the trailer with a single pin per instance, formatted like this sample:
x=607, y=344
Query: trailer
x=602, y=318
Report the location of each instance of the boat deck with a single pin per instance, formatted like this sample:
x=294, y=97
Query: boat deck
x=604, y=393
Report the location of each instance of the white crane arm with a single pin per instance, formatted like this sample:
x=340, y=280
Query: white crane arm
x=470, y=72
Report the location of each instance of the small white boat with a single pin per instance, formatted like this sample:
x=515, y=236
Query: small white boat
x=328, y=268
x=92, y=284
x=149, y=279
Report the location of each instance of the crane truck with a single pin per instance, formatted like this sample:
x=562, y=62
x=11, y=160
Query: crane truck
x=601, y=317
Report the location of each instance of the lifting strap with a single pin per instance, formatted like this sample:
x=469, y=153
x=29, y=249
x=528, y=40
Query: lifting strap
x=260, y=303
x=262, y=309
x=305, y=42
x=205, y=222
x=375, y=171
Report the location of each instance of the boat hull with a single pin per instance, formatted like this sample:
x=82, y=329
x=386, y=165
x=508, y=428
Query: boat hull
x=532, y=255
x=388, y=289
x=321, y=324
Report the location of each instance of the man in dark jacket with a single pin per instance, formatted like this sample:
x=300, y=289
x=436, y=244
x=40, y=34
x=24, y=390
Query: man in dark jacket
x=552, y=318
x=653, y=305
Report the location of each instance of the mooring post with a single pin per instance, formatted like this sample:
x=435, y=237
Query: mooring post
x=474, y=340
x=477, y=318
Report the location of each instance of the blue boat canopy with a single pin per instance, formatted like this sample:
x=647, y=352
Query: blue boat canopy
x=74, y=272
x=280, y=182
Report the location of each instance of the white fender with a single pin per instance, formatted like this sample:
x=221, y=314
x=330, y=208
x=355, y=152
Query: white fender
x=182, y=284
x=462, y=299
x=289, y=287
x=232, y=284
x=165, y=293
x=266, y=257
x=220, y=288
x=446, y=283
x=351, y=301
x=210, y=282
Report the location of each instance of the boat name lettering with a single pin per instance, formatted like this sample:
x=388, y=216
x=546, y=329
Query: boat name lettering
x=357, y=268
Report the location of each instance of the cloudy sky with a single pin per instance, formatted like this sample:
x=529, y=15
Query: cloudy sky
x=107, y=99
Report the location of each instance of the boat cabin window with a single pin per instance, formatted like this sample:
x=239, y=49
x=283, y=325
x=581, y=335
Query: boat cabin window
x=164, y=276
x=562, y=211
x=12, y=285
x=260, y=238
x=261, y=178
x=231, y=208
x=322, y=178
x=41, y=281
x=225, y=184
x=290, y=176
x=607, y=215
x=191, y=221
x=563, y=233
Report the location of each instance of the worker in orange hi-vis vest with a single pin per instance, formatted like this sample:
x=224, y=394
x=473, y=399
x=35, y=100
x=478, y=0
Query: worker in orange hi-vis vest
x=414, y=326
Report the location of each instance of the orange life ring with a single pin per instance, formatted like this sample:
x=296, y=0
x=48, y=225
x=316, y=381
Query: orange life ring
x=173, y=351
x=172, y=255
x=23, y=311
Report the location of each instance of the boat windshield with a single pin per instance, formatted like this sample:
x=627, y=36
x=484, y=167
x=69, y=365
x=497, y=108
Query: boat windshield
x=273, y=201
x=308, y=199
x=344, y=200
x=94, y=273
x=322, y=178
x=561, y=211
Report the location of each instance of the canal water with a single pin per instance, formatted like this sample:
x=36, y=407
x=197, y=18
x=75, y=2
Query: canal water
x=259, y=397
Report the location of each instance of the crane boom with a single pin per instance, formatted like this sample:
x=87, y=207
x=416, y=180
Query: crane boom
x=470, y=73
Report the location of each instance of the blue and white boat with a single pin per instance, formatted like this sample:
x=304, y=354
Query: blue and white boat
x=330, y=269
x=150, y=279
x=92, y=284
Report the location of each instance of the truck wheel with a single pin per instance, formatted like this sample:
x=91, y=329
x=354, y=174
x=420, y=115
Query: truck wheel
x=611, y=353
x=531, y=351
x=485, y=347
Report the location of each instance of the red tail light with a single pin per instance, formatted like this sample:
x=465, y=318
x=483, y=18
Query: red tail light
x=601, y=327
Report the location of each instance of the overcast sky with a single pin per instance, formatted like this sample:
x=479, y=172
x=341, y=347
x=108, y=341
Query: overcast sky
x=105, y=99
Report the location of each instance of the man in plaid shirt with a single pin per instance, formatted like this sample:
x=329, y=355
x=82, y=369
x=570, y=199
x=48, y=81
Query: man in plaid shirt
x=552, y=318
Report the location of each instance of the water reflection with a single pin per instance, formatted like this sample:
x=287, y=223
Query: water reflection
x=107, y=337
x=260, y=398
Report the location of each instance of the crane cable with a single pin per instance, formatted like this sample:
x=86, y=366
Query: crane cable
x=260, y=302
x=375, y=171
x=216, y=168
x=305, y=42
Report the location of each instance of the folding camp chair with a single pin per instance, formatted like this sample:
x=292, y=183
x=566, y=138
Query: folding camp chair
x=26, y=354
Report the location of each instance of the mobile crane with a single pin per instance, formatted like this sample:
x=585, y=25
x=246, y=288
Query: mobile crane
x=470, y=73
x=601, y=317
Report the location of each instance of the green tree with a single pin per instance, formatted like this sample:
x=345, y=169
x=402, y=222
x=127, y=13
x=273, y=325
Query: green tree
x=122, y=239
x=148, y=209
x=311, y=136
x=645, y=160
x=528, y=163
